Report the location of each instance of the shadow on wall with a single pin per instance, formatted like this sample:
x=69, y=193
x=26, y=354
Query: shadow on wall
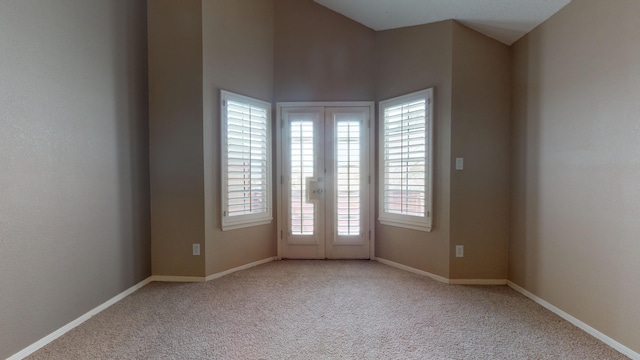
x=525, y=167
x=132, y=133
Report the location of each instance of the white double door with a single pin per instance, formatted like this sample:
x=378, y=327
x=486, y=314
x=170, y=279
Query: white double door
x=325, y=182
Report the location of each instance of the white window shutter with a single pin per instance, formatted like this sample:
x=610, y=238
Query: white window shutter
x=406, y=161
x=246, y=159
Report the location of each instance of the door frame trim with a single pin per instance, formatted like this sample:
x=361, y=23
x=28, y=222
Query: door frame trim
x=278, y=162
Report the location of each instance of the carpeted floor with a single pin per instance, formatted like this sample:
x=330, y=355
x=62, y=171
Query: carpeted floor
x=325, y=310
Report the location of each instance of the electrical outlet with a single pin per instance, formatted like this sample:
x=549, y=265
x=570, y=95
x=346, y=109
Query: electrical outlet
x=459, y=250
x=196, y=249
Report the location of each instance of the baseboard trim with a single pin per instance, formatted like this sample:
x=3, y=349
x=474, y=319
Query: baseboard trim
x=413, y=270
x=161, y=278
x=443, y=279
x=239, y=268
x=588, y=329
x=478, y=281
x=66, y=328
x=165, y=278
x=212, y=276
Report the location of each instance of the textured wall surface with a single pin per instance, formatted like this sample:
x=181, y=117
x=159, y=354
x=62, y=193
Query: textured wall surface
x=176, y=143
x=237, y=57
x=321, y=55
x=574, y=237
x=480, y=135
x=74, y=193
x=408, y=60
x=74, y=146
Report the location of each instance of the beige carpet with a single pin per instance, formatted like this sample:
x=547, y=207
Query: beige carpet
x=325, y=310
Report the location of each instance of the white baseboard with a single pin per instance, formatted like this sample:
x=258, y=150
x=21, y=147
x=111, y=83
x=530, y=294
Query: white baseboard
x=478, y=281
x=165, y=278
x=413, y=270
x=56, y=334
x=441, y=278
x=243, y=267
x=212, y=276
x=588, y=329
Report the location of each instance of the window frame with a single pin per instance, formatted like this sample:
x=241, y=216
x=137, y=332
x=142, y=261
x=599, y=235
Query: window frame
x=245, y=220
x=421, y=223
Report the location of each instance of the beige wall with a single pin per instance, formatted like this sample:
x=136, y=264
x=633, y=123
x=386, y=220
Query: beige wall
x=238, y=57
x=480, y=135
x=197, y=48
x=74, y=195
x=407, y=60
x=176, y=138
x=74, y=187
x=321, y=55
x=290, y=50
x=574, y=237
x=470, y=76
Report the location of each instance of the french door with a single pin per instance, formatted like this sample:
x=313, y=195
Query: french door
x=325, y=181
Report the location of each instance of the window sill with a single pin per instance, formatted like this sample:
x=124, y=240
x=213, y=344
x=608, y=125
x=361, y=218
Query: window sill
x=235, y=226
x=406, y=225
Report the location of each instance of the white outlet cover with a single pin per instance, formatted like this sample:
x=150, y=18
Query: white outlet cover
x=196, y=249
x=459, y=163
x=459, y=250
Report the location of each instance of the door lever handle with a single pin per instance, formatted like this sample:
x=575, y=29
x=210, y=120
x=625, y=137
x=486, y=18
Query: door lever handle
x=314, y=189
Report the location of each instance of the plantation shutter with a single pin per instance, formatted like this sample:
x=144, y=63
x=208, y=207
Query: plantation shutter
x=247, y=167
x=405, y=158
x=246, y=159
x=406, y=161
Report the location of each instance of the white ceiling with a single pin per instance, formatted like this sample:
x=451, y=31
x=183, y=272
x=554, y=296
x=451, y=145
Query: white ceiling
x=503, y=20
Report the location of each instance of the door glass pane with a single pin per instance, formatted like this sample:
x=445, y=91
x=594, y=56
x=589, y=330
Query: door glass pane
x=348, y=176
x=302, y=166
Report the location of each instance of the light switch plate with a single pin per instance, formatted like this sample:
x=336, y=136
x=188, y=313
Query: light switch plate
x=459, y=163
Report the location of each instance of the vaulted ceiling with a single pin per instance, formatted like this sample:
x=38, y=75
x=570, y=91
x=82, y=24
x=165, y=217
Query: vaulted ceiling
x=503, y=20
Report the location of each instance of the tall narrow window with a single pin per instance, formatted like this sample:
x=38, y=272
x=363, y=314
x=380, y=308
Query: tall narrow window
x=406, y=141
x=246, y=161
x=302, y=168
x=348, y=175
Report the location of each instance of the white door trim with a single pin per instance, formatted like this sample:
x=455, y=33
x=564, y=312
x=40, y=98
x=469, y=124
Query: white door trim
x=280, y=176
